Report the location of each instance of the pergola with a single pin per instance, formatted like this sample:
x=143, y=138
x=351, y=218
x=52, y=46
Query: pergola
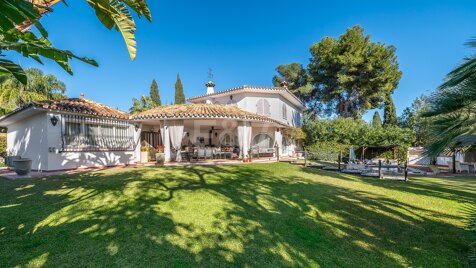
x=392, y=147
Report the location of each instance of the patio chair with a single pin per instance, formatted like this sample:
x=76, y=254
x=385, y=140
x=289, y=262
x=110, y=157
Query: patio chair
x=208, y=153
x=472, y=166
x=460, y=168
x=200, y=153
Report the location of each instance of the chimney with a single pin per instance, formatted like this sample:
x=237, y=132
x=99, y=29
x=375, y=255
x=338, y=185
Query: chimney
x=210, y=90
x=210, y=87
x=81, y=95
x=284, y=84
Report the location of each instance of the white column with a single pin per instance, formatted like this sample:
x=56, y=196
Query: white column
x=164, y=128
x=137, y=138
x=278, y=140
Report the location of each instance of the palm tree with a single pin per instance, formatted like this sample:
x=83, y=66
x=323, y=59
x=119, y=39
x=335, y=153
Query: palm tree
x=39, y=87
x=143, y=104
x=19, y=17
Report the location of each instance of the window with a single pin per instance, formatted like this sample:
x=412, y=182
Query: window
x=94, y=134
x=263, y=107
x=285, y=111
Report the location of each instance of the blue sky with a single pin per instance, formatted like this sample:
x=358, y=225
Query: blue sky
x=243, y=42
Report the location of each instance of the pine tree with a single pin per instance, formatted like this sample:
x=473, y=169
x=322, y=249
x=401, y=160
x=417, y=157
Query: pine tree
x=389, y=112
x=179, y=95
x=376, y=120
x=154, y=93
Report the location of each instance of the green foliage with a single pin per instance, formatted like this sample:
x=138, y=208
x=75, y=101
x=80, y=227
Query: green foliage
x=14, y=93
x=413, y=118
x=327, y=151
x=389, y=112
x=3, y=145
x=143, y=104
x=352, y=74
x=179, y=95
x=452, y=109
x=295, y=76
x=154, y=93
x=349, y=131
x=18, y=17
x=376, y=120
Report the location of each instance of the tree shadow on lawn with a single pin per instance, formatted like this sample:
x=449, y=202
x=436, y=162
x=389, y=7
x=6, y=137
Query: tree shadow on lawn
x=243, y=215
x=440, y=187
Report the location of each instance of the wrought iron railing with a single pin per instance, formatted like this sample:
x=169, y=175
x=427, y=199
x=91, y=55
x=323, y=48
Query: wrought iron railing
x=80, y=133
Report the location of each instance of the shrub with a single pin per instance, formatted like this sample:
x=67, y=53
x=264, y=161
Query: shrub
x=327, y=151
x=3, y=145
x=327, y=135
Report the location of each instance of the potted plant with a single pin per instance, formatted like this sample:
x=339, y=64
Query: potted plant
x=160, y=155
x=144, y=154
x=22, y=166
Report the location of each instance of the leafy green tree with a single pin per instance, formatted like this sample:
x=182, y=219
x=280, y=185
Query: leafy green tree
x=179, y=95
x=143, y=104
x=389, y=112
x=296, y=77
x=352, y=74
x=413, y=118
x=18, y=17
x=13, y=93
x=154, y=93
x=376, y=120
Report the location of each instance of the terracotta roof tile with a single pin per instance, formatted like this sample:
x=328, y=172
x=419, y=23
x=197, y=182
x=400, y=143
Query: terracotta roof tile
x=200, y=111
x=78, y=105
x=245, y=87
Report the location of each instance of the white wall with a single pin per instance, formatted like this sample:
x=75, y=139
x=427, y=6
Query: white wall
x=71, y=160
x=28, y=138
x=250, y=101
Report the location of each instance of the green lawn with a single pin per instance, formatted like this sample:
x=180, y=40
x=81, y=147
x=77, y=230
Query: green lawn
x=235, y=215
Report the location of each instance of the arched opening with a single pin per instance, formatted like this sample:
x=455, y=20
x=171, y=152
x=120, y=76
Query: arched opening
x=262, y=141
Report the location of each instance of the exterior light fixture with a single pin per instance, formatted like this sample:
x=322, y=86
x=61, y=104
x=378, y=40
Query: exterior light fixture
x=54, y=120
x=136, y=126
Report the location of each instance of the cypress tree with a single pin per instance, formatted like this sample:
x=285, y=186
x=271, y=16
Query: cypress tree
x=376, y=120
x=389, y=112
x=179, y=95
x=154, y=93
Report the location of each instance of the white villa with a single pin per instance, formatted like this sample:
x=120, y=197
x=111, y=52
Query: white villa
x=80, y=133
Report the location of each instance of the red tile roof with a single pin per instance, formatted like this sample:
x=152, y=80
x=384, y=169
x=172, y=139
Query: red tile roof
x=245, y=87
x=200, y=111
x=77, y=105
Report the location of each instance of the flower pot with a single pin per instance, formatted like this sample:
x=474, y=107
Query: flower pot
x=144, y=157
x=22, y=166
x=160, y=158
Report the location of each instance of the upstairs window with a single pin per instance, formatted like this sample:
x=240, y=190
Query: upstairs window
x=285, y=111
x=263, y=107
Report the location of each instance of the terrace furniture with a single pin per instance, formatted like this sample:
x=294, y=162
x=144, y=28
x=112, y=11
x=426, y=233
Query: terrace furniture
x=208, y=153
x=472, y=167
x=462, y=167
x=200, y=153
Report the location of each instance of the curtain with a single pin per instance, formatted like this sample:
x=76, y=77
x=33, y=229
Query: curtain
x=176, y=135
x=248, y=136
x=240, y=131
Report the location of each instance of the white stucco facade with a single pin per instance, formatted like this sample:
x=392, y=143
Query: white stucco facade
x=36, y=138
x=257, y=126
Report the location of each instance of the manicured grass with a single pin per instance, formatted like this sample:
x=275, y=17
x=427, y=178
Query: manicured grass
x=236, y=215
